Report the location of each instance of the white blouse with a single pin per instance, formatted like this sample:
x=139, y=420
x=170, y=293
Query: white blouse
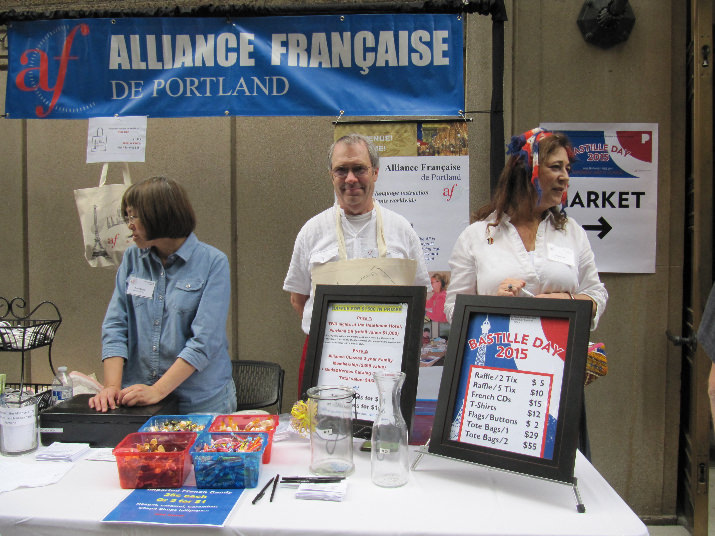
x=562, y=261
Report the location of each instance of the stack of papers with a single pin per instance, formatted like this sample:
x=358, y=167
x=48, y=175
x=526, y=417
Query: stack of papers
x=24, y=472
x=64, y=452
x=322, y=492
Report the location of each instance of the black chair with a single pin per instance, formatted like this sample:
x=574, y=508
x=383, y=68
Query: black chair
x=259, y=384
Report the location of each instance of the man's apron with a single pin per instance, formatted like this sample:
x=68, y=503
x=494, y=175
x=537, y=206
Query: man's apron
x=378, y=271
x=375, y=271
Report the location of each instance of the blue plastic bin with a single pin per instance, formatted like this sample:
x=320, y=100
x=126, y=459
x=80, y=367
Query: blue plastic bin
x=227, y=469
x=159, y=421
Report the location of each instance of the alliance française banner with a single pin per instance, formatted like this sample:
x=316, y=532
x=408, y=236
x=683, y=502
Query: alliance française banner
x=355, y=65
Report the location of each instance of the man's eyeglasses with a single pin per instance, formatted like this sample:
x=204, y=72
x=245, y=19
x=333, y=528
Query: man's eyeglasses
x=130, y=219
x=358, y=171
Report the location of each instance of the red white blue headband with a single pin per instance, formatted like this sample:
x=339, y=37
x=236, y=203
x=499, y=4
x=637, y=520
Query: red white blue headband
x=526, y=146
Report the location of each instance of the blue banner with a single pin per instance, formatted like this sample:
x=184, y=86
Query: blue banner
x=327, y=65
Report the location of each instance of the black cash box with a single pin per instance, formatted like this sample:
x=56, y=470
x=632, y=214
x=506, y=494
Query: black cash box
x=73, y=421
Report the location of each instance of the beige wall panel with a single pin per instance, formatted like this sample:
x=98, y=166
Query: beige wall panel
x=628, y=414
x=283, y=181
x=197, y=153
x=58, y=271
x=12, y=274
x=478, y=97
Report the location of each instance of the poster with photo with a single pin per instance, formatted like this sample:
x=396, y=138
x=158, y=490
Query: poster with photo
x=423, y=176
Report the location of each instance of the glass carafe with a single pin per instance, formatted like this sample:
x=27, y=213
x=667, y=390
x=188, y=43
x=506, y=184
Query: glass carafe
x=388, y=446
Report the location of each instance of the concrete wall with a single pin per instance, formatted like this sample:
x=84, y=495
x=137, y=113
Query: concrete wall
x=254, y=182
x=633, y=413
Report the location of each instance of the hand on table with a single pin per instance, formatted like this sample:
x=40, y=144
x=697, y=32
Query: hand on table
x=139, y=395
x=107, y=398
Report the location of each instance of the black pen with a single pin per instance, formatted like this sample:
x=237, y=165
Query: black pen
x=311, y=479
x=275, y=485
x=263, y=491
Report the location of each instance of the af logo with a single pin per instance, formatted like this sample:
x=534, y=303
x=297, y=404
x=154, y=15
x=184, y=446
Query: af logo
x=36, y=77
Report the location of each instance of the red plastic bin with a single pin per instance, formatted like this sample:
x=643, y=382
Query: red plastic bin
x=168, y=469
x=238, y=423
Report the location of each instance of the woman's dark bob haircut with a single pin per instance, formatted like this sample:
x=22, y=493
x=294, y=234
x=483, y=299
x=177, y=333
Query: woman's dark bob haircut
x=162, y=206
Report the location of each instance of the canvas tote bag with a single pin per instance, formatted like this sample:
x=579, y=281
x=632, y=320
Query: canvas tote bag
x=105, y=234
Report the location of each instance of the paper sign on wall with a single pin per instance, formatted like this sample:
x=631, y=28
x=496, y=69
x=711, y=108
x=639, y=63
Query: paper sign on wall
x=116, y=139
x=613, y=191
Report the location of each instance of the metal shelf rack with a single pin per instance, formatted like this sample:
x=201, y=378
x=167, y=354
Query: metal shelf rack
x=23, y=333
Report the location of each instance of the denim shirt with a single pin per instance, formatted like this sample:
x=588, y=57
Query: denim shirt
x=185, y=317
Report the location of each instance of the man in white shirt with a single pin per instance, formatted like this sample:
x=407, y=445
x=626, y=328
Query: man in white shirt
x=356, y=227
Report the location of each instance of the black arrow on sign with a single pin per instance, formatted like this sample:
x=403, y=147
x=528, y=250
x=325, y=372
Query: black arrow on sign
x=604, y=228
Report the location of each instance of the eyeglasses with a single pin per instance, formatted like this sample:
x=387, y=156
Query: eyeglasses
x=358, y=171
x=130, y=219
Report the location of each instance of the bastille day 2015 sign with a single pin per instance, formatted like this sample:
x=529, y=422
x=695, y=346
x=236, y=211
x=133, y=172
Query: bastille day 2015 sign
x=512, y=384
x=355, y=65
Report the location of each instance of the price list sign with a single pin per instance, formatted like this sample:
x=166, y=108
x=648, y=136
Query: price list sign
x=512, y=385
x=506, y=409
x=512, y=366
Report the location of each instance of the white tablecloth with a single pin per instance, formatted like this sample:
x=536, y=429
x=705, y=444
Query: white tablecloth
x=443, y=497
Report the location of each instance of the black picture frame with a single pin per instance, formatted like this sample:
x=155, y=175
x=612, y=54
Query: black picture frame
x=371, y=295
x=474, y=427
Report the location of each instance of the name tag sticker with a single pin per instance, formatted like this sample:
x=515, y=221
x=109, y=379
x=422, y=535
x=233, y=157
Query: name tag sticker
x=141, y=287
x=560, y=254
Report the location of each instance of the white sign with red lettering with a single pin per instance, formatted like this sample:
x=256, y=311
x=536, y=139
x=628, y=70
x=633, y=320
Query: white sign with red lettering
x=613, y=191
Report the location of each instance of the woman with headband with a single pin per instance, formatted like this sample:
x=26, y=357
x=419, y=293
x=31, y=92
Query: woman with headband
x=522, y=243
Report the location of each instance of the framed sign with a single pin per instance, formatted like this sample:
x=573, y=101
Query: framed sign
x=512, y=385
x=359, y=329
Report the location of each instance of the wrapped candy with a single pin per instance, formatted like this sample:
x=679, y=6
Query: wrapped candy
x=228, y=459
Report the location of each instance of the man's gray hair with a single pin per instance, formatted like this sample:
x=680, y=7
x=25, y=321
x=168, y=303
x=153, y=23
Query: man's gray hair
x=352, y=139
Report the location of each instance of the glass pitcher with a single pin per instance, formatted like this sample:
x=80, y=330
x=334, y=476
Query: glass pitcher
x=331, y=430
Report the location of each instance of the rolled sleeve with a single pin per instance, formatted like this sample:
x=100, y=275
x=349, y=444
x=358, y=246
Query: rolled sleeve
x=115, y=330
x=589, y=282
x=209, y=324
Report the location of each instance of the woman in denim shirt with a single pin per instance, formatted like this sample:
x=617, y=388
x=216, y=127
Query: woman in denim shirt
x=165, y=327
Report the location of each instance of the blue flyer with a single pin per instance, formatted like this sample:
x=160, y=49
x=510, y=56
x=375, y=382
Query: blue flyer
x=179, y=506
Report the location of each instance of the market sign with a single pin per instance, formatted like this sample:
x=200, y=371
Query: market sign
x=332, y=65
x=613, y=191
